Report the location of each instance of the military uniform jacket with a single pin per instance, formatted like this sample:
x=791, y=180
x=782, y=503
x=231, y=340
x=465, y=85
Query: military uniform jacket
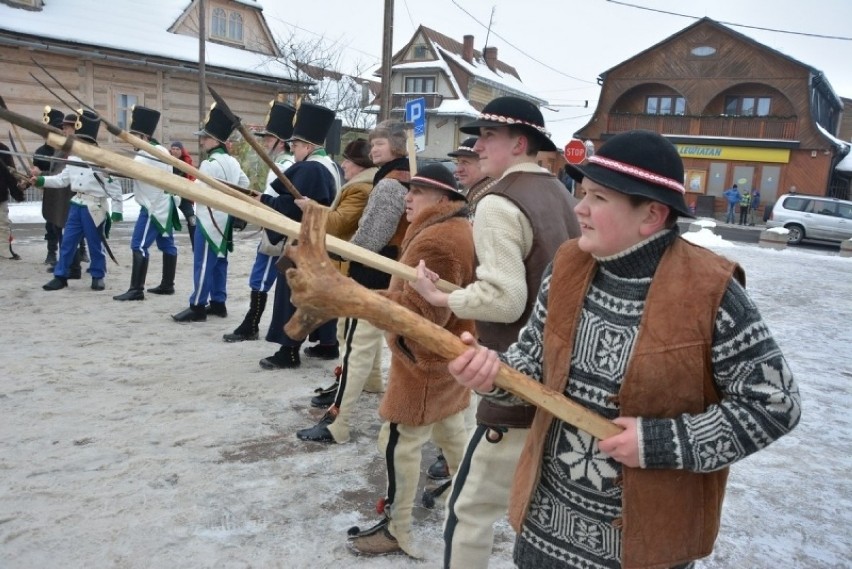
x=216, y=225
x=160, y=205
x=91, y=189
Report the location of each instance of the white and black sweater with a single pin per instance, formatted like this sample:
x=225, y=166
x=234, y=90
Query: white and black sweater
x=569, y=523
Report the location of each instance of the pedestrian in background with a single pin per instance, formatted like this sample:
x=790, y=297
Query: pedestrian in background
x=733, y=197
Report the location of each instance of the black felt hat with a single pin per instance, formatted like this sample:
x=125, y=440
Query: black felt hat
x=465, y=149
x=70, y=118
x=144, y=120
x=52, y=117
x=217, y=125
x=312, y=124
x=513, y=111
x=279, y=121
x=637, y=163
x=358, y=152
x=87, y=126
x=438, y=177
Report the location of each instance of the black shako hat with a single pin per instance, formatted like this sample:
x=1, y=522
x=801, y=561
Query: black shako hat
x=438, y=177
x=512, y=111
x=87, y=126
x=279, y=121
x=465, y=149
x=358, y=152
x=638, y=163
x=312, y=124
x=52, y=117
x=217, y=125
x=144, y=120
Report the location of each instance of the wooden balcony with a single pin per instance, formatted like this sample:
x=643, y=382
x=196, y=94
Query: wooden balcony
x=433, y=100
x=779, y=128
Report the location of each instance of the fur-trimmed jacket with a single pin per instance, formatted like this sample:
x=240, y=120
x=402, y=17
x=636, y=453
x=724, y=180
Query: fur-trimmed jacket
x=420, y=389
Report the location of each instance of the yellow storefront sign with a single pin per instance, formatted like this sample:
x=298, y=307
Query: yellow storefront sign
x=740, y=153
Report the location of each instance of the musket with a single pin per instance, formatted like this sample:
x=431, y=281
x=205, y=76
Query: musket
x=15, y=152
x=140, y=144
x=77, y=163
x=250, y=138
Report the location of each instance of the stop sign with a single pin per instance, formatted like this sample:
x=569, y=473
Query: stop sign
x=575, y=151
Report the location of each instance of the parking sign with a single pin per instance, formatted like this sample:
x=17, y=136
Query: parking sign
x=415, y=113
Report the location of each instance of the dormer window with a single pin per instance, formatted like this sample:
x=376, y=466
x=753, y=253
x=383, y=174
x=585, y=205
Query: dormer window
x=227, y=25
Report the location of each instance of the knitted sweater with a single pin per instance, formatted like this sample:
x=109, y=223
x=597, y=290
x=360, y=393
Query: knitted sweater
x=503, y=238
x=578, y=497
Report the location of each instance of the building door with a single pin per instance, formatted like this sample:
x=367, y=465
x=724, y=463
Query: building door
x=716, y=178
x=743, y=177
x=769, y=183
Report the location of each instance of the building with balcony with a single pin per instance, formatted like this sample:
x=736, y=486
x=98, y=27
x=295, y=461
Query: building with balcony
x=738, y=111
x=455, y=80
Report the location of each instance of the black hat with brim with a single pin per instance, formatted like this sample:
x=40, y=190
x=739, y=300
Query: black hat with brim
x=437, y=177
x=465, y=149
x=512, y=111
x=87, y=126
x=312, y=124
x=217, y=125
x=144, y=121
x=637, y=163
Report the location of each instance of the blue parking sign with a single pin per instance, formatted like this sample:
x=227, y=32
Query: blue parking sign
x=415, y=113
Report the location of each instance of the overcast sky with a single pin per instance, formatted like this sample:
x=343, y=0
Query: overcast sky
x=559, y=47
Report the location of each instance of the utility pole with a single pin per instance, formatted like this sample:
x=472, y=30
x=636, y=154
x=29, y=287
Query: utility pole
x=387, y=54
x=202, y=72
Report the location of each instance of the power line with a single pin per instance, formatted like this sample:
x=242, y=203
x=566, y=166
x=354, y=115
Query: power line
x=821, y=36
x=522, y=52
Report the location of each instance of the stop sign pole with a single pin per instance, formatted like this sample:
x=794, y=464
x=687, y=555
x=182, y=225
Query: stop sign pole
x=575, y=151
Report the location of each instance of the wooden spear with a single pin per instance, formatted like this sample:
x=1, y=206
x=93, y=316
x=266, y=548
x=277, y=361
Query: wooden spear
x=320, y=292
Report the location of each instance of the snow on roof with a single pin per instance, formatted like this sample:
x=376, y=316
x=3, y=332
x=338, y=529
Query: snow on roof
x=842, y=144
x=481, y=71
x=845, y=165
x=139, y=27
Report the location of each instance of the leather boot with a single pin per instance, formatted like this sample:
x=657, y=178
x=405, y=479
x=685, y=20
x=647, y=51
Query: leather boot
x=191, y=228
x=217, y=309
x=50, y=259
x=167, y=285
x=249, y=329
x=195, y=313
x=84, y=254
x=75, y=272
x=56, y=284
x=137, y=278
x=287, y=357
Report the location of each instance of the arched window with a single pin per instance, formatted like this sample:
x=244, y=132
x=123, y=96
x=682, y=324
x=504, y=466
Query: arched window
x=235, y=27
x=220, y=23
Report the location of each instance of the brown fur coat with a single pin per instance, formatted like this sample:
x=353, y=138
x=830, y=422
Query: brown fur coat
x=420, y=389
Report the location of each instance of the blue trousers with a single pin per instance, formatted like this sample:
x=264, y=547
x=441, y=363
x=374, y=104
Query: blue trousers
x=145, y=233
x=209, y=272
x=732, y=213
x=263, y=272
x=78, y=225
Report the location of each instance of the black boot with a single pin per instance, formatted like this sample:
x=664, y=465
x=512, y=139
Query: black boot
x=250, y=328
x=217, y=309
x=98, y=284
x=50, y=259
x=167, y=285
x=195, y=313
x=318, y=433
x=191, y=228
x=137, y=278
x=56, y=284
x=287, y=357
x=325, y=395
x=439, y=470
x=84, y=255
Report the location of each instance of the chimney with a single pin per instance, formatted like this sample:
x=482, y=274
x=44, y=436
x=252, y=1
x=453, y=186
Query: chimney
x=490, y=55
x=467, y=49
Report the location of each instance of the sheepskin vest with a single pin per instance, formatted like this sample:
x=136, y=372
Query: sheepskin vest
x=668, y=516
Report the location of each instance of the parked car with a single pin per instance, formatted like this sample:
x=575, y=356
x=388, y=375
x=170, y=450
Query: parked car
x=812, y=217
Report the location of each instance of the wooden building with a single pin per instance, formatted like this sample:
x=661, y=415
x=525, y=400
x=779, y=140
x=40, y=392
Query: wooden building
x=738, y=111
x=455, y=80
x=115, y=54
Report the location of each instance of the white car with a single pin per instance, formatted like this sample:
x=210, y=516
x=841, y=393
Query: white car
x=812, y=217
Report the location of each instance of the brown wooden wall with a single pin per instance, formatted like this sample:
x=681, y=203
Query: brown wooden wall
x=95, y=81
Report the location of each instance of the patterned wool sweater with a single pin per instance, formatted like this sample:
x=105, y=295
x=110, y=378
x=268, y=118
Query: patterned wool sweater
x=570, y=520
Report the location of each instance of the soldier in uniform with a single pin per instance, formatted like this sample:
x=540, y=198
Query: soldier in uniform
x=8, y=187
x=316, y=177
x=279, y=127
x=55, y=202
x=213, y=228
x=157, y=217
x=89, y=208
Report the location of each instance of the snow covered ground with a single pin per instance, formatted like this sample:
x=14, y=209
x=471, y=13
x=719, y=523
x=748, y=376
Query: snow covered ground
x=127, y=440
